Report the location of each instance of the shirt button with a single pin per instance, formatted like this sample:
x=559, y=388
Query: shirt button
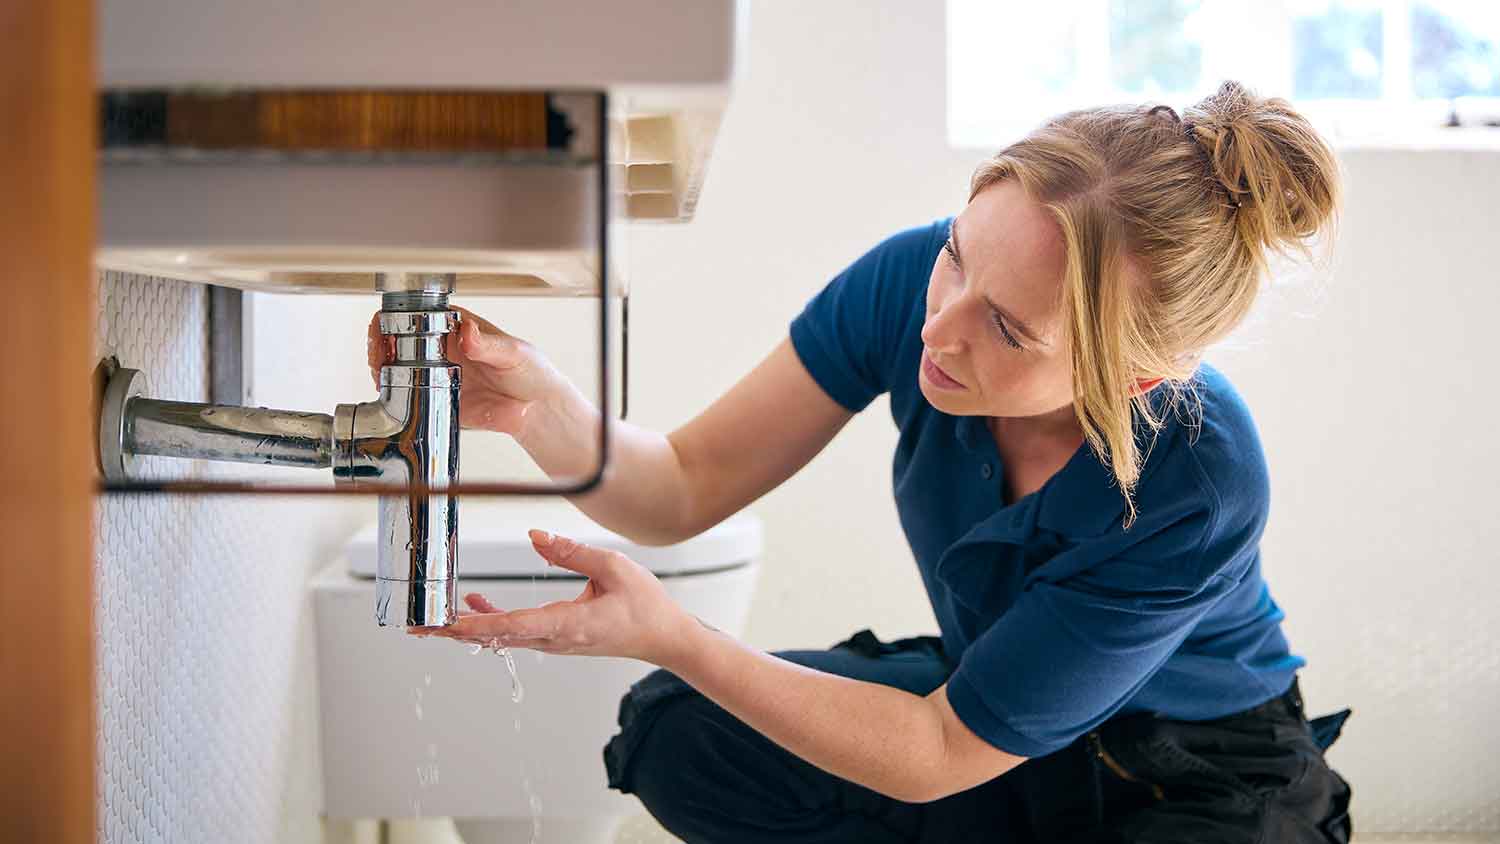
x=985, y=471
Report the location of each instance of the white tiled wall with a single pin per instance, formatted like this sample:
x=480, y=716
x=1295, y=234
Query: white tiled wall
x=207, y=711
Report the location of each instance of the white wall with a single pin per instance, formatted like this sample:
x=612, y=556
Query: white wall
x=1368, y=387
x=1371, y=391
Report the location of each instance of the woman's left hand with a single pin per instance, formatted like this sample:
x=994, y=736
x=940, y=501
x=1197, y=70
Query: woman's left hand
x=622, y=611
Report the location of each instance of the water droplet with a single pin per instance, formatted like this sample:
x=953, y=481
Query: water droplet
x=516, y=691
x=535, y=803
x=476, y=648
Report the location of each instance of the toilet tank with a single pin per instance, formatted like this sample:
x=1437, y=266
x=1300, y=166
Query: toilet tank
x=423, y=727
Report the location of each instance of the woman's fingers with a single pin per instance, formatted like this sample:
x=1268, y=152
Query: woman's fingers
x=377, y=348
x=552, y=621
x=478, y=339
x=469, y=316
x=491, y=347
x=549, y=622
x=479, y=603
x=486, y=641
x=558, y=627
x=475, y=610
x=595, y=563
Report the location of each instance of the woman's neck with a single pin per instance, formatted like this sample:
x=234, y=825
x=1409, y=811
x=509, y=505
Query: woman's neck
x=1057, y=427
x=1034, y=448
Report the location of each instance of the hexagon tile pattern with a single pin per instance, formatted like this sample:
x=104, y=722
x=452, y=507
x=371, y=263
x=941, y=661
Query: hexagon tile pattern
x=206, y=731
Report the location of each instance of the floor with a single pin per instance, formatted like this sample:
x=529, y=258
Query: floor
x=644, y=830
x=641, y=829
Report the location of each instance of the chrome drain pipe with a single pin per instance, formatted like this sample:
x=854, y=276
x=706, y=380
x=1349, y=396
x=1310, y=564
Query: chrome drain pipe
x=407, y=437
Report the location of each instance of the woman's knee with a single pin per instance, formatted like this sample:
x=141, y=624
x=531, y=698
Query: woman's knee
x=652, y=724
x=676, y=754
x=680, y=757
x=677, y=746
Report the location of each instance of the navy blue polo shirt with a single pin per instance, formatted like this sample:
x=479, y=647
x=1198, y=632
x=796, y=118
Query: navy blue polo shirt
x=1057, y=616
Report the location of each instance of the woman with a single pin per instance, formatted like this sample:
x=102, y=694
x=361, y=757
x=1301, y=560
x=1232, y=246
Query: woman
x=1084, y=500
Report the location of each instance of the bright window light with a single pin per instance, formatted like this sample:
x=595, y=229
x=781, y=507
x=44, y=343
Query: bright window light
x=1364, y=70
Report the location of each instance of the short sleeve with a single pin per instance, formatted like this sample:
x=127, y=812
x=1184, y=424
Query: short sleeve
x=1070, y=653
x=849, y=335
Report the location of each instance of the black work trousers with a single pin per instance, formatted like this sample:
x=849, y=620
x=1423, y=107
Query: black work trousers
x=1254, y=777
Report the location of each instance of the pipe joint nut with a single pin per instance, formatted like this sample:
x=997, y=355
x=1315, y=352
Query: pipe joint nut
x=409, y=323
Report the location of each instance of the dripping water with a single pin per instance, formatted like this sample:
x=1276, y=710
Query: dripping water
x=517, y=694
x=516, y=691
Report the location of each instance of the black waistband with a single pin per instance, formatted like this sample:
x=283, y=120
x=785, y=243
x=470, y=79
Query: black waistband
x=1287, y=703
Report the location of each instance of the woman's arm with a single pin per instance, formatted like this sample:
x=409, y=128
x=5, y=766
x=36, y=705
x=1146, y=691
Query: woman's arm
x=901, y=745
x=905, y=746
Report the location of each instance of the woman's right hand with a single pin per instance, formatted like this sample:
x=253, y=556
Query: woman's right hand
x=503, y=375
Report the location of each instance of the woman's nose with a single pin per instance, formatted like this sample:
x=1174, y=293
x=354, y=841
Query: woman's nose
x=939, y=332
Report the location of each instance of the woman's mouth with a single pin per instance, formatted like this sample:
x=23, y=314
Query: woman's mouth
x=936, y=376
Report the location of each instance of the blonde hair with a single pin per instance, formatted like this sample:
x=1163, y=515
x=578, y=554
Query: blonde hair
x=1168, y=224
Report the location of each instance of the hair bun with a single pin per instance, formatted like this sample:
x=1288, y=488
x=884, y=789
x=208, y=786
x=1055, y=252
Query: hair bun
x=1270, y=161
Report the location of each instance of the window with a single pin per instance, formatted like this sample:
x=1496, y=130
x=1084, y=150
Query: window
x=1362, y=69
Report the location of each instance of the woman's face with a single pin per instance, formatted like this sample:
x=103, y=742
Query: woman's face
x=993, y=338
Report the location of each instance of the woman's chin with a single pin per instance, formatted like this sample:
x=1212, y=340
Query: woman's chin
x=947, y=401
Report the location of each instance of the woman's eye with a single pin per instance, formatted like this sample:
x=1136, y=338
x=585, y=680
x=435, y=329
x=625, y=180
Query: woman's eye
x=1010, y=339
x=950, y=251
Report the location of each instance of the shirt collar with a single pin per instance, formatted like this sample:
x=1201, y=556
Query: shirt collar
x=1083, y=500
x=972, y=433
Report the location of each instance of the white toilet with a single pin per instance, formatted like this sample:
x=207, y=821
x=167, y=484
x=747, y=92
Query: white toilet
x=417, y=727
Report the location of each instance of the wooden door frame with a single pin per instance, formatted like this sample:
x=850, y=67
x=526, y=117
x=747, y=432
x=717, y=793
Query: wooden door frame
x=47, y=162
